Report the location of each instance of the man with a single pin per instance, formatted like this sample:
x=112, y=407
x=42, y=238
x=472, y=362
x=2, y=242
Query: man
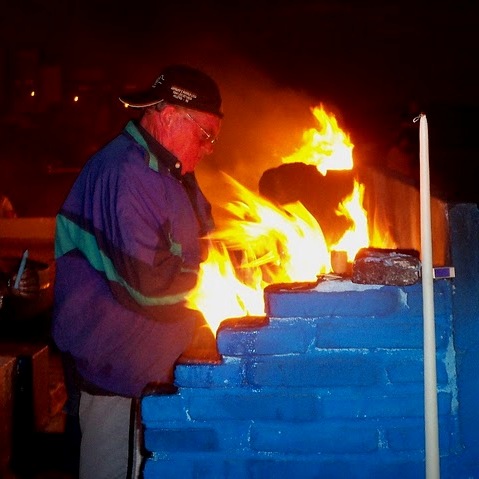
x=128, y=251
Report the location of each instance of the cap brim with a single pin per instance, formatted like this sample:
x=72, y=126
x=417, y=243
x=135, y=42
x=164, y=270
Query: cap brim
x=139, y=100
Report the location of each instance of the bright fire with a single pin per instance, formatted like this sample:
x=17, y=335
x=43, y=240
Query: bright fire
x=358, y=235
x=261, y=243
x=328, y=148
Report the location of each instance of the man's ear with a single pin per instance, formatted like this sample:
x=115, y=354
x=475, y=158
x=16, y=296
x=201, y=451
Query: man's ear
x=168, y=114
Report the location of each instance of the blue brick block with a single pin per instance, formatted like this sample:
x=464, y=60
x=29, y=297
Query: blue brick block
x=444, y=404
x=229, y=373
x=337, y=467
x=371, y=332
x=279, y=468
x=167, y=468
x=233, y=435
x=199, y=375
x=246, y=405
x=361, y=404
x=305, y=467
x=286, y=337
x=408, y=434
x=281, y=302
x=468, y=385
x=279, y=337
x=180, y=439
x=236, y=342
x=195, y=466
x=443, y=330
x=442, y=298
x=398, y=402
x=462, y=465
x=321, y=369
x=237, y=336
x=408, y=367
x=163, y=408
x=404, y=467
x=319, y=437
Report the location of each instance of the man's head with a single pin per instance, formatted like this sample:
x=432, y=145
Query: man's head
x=182, y=110
x=180, y=85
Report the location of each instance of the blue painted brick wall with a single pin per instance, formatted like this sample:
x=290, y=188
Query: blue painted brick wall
x=329, y=384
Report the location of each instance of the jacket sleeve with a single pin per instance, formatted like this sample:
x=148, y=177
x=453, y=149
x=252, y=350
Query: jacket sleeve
x=138, y=228
x=115, y=348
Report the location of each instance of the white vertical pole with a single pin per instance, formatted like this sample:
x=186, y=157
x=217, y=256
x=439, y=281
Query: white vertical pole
x=430, y=380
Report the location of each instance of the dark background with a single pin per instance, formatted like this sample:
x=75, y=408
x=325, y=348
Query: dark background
x=375, y=65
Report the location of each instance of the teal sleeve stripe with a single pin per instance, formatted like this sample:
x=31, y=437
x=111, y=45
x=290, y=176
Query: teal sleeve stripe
x=70, y=236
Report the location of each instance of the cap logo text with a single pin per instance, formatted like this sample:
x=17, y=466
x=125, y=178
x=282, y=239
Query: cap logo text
x=182, y=95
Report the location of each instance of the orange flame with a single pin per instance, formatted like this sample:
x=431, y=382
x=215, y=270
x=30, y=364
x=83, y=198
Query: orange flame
x=328, y=149
x=358, y=235
x=260, y=243
x=220, y=294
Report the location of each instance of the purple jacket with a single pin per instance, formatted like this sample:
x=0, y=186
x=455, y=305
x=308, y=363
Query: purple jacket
x=127, y=252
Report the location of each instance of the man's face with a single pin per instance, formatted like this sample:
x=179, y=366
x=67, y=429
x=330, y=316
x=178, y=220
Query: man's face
x=193, y=135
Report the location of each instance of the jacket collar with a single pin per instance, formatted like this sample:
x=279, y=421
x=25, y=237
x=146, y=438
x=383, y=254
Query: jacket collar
x=158, y=154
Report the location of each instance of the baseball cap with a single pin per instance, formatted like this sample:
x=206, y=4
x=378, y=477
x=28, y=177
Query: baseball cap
x=180, y=85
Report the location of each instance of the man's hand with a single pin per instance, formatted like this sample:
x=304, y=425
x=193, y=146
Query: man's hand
x=202, y=348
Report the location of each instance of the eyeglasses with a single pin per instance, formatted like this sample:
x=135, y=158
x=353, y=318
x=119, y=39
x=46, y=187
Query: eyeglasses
x=209, y=138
